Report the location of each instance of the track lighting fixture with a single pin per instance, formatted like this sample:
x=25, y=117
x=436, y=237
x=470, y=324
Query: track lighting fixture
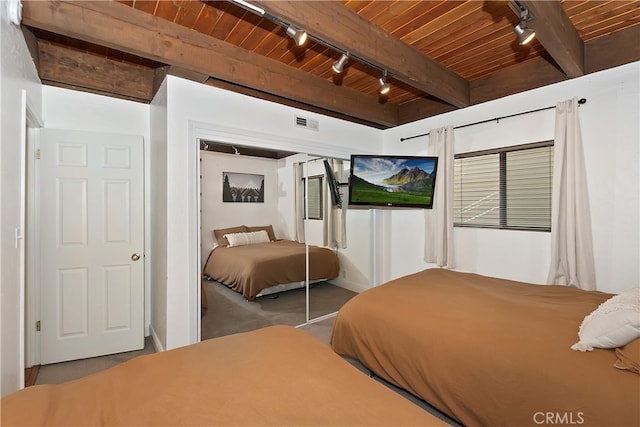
x=299, y=36
x=384, y=86
x=525, y=35
x=250, y=7
x=338, y=66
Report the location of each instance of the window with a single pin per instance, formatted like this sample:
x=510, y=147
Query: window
x=507, y=188
x=314, y=200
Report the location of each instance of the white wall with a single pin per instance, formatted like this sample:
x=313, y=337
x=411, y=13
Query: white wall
x=198, y=111
x=609, y=122
x=158, y=213
x=217, y=214
x=73, y=110
x=17, y=73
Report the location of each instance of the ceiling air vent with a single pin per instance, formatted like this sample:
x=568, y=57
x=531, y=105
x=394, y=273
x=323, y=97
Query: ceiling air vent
x=303, y=122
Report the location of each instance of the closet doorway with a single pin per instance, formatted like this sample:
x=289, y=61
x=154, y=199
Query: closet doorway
x=225, y=310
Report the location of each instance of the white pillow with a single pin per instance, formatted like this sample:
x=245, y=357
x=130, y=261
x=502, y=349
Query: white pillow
x=616, y=322
x=251, y=238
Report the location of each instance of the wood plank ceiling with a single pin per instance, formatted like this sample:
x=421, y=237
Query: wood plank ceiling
x=439, y=55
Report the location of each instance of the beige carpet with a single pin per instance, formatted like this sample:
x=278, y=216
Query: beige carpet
x=66, y=371
x=229, y=312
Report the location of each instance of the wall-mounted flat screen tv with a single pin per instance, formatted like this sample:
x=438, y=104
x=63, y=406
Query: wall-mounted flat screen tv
x=334, y=185
x=392, y=181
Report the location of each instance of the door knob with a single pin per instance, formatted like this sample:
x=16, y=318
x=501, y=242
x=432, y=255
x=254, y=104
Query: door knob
x=135, y=257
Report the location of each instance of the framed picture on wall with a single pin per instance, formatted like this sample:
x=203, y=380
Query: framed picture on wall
x=242, y=187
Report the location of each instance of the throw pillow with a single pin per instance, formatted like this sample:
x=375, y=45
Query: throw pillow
x=616, y=322
x=243, y=239
x=267, y=228
x=220, y=232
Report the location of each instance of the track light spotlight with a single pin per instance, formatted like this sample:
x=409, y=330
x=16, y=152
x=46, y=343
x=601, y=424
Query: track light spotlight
x=338, y=66
x=525, y=35
x=299, y=36
x=384, y=86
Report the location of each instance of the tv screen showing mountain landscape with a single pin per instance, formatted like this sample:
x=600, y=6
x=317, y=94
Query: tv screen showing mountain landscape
x=403, y=181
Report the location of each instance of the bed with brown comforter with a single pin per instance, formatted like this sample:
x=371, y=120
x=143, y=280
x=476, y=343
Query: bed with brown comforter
x=277, y=376
x=487, y=351
x=252, y=268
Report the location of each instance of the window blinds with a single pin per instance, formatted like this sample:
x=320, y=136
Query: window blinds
x=506, y=188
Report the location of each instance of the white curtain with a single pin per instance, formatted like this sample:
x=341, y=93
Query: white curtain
x=298, y=172
x=571, y=242
x=335, y=223
x=438, y=244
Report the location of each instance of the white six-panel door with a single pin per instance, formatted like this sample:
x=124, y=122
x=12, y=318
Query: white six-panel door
x=91, y=242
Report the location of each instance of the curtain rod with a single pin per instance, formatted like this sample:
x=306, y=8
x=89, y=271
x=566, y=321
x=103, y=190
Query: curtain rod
x=580, y=102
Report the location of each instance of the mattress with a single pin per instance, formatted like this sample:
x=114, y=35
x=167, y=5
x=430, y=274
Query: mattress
x=276, y=376
x=487, y=351
x=252, y=268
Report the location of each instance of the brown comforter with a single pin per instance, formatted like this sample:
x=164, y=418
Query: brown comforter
x=252, y=268
x=488, y=351
x=278, y=376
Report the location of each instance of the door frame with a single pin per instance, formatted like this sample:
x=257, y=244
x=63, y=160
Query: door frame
x=198, y=131
x=31, y=233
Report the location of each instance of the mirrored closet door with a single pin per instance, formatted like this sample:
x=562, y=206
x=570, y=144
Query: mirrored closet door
x=247, y=195
x=326, y=234
x=300, y=202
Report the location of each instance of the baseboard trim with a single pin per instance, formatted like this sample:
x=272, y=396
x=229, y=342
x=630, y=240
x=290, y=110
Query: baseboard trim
x=156, y=341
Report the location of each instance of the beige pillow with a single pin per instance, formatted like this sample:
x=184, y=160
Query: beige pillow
x=267, y=228
x=615, y=323
x=629, y=357
x=219, y=233
x=244, y=239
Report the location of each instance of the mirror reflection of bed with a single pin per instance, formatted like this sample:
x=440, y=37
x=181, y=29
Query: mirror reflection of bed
x=257, y=277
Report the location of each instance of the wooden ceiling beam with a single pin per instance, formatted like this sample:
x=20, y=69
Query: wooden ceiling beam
x=605, y=52
x=613, y=50
x=557, y=35
x=338, y=25
x=188, y=74
x=61, y=66
x=421, y=108
x=527, y=75
x=124, y=28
